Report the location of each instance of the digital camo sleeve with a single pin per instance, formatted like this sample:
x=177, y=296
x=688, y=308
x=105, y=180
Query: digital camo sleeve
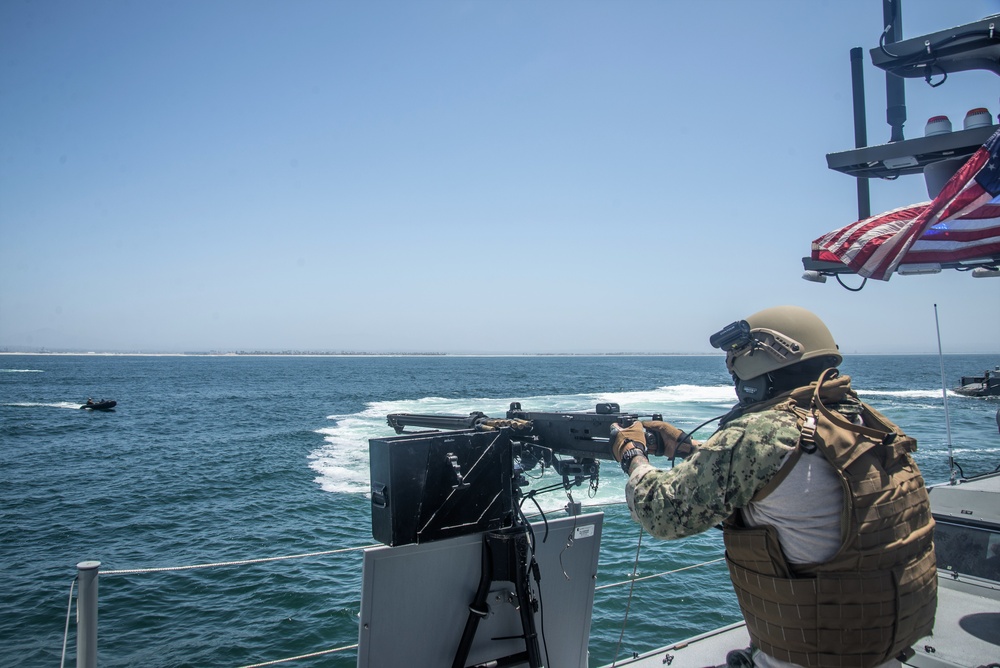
x=721, y=476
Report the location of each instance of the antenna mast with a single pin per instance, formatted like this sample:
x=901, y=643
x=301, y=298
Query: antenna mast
x=944, y=394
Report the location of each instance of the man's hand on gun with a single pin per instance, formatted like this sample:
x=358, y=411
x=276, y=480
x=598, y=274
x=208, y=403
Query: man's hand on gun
x=675, y=441
x=624, y=438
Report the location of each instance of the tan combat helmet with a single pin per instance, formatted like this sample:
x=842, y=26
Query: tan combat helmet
x=779, y=337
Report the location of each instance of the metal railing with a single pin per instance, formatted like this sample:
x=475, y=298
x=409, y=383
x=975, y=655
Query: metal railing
x=86, y=582
x=88, y=572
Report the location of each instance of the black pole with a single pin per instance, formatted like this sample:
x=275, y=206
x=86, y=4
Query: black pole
x=478, y=609
x=506, y=558
x=522, y=585
x=860, y=126
x=895, y=93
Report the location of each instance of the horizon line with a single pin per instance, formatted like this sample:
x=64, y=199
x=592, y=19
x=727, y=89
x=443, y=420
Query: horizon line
x=306, y=353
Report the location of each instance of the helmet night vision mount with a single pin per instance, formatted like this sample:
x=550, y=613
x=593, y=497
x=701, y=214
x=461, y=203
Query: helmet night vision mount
x=738, y=340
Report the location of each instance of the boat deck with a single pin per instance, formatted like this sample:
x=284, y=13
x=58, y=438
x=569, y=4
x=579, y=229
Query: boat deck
x=707, y=649
x=968, y=607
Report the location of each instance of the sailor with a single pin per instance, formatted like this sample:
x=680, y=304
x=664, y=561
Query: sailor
x=826, y=521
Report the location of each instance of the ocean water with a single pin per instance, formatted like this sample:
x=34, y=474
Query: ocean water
x=216, y=459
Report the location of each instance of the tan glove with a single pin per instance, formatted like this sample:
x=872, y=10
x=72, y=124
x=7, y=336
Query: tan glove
x=623, y=438
x=675, y=442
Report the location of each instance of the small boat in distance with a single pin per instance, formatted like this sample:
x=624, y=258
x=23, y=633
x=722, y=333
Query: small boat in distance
x=986, y=385
x=102, y=405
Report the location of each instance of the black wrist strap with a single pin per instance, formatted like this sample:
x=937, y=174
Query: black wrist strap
x=629, y=454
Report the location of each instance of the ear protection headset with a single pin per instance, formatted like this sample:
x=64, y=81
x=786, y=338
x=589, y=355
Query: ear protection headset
x=738, y=337
x=754, y=389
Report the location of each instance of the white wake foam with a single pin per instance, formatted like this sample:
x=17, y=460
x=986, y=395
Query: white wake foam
x=58, y=404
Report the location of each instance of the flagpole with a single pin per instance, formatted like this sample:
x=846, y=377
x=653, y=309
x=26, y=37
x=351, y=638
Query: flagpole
x=944, y=393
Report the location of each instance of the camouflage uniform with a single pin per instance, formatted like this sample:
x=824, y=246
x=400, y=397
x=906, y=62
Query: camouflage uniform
x=722, y=475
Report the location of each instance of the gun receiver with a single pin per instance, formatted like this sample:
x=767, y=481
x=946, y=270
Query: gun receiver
x=583, y=435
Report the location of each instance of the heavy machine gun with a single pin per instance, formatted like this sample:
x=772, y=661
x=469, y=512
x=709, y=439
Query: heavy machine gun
x=460, y=474
x=569, y=442
x=464, y=474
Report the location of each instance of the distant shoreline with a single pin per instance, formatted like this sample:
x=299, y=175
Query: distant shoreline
x=343, y=354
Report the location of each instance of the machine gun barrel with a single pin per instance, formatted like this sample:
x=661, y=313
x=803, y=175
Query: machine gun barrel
x=400, y=421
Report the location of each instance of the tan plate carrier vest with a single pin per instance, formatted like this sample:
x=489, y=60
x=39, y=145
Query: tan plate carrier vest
x=878, y=594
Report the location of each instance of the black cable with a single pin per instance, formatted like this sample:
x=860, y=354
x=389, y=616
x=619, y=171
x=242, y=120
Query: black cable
x=520, y=513
x=541, y=606
x=992, y=266
x=930, y=73
x=723, y=417
x=881, y=42
x=966, y=478
x=531, y=565
x=847, y=287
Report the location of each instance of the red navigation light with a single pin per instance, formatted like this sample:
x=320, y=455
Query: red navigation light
x=977, y=118
x=937, y=125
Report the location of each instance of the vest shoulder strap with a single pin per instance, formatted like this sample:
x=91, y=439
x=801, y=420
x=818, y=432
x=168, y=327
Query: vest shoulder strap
x=780, y=475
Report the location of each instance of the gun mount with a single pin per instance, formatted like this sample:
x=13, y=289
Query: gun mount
x=464, y=473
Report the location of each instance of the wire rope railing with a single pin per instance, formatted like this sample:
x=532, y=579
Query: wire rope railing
x=238, y=562
x=661, y=574
x=85, y=585
x=87, y=573
x=310, y=655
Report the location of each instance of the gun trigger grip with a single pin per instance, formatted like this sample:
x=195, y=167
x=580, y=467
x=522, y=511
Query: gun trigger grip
x=654, y=445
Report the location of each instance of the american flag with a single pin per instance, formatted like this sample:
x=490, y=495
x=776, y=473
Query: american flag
x=961, y=224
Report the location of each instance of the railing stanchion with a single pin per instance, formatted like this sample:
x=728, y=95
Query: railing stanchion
x=86, y=614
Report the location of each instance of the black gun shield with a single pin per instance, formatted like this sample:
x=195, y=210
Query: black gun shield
x=433, y=485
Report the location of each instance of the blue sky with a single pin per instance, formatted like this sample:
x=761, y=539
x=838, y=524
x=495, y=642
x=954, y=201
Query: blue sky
x=470, y=177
